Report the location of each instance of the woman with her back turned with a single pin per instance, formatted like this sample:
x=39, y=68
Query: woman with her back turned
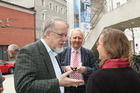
x=115, y=74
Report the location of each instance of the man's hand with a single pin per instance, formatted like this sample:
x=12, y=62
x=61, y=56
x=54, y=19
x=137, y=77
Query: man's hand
x=67, y=82
x=67, y=68
x=81, y=69
x=1, y=89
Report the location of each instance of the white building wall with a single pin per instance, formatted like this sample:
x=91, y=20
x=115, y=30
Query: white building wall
x=70, y=13
x=112, y=4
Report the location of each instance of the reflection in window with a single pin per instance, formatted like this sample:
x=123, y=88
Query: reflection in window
x=1, y=63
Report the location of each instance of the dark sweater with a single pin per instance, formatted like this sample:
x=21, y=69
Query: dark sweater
x=115, y=80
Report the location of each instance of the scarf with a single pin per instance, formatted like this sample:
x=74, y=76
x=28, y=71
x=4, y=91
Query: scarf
x=116, y=63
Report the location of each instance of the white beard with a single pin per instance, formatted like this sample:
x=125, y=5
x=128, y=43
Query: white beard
x=58, y=50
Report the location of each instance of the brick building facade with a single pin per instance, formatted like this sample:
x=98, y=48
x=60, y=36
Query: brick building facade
x=17, y=26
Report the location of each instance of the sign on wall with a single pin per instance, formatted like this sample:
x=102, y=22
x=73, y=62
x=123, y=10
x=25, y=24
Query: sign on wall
x=76, y=13
x=85, y=14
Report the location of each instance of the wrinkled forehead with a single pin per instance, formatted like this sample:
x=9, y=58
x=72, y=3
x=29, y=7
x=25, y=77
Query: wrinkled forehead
x=60, y=25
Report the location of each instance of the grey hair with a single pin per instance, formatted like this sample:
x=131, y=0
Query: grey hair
x=13, y=47
x=77, y=29
x=49, y=24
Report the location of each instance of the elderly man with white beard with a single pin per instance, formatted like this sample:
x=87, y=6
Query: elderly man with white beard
x=37, y=70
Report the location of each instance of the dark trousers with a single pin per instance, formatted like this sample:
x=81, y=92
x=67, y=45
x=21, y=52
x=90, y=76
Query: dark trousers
x=79, y=89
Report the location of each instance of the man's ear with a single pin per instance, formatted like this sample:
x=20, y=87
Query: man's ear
x=48, y=34
x=10, y=54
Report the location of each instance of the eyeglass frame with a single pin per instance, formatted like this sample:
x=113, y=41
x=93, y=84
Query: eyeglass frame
x=97, y=44
x=61, y=35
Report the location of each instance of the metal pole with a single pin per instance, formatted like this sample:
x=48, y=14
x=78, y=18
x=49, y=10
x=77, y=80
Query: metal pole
x=131, y=29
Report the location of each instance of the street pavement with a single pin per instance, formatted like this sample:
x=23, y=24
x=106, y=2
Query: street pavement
x=8, y=84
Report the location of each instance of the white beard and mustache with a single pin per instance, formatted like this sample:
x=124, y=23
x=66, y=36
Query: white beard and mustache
x=58, y=50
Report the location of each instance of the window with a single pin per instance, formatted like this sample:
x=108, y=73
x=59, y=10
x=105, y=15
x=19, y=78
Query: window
x=43, y=2
x=61, y=10
x=43, y=16
x=50, y=6
x=65, y=11
x=56, y=8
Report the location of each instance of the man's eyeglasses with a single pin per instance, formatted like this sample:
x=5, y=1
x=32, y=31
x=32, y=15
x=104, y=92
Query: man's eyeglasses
x=61, y=35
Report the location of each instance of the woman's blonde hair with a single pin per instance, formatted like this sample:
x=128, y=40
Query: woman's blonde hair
x=116, y=44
